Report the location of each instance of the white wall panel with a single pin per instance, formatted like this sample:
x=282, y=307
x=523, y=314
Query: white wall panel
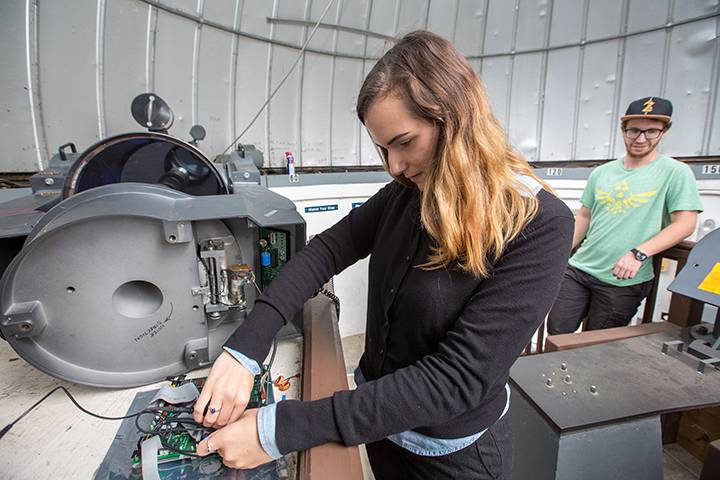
x=524, y=104
x=316, y=110
x=220, y=11
x=596, y=101
x=283, y=109
x=214, y=89
x=532, y=17
x=250, y=91
x=471, y=26
x=347, y=81
x=496, y=76
x=383, y=20
x=688, y=85
x=558, y=114
x=685, y=9
x=567, y=21
x=412, y=16
x=500, y=24
x=442, y=18
x=645, y=14
x=90, y=66
x=123, y=62
x=174, y=66
x=604, y=18
x=16, y=127
x=67, y=72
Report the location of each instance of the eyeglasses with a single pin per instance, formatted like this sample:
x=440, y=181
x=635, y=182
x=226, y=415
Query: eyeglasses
x=650, y=133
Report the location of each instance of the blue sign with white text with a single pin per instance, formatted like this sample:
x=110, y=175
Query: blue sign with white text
x=321, y=208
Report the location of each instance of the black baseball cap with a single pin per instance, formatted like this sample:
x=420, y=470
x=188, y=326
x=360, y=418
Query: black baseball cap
x=654, y=108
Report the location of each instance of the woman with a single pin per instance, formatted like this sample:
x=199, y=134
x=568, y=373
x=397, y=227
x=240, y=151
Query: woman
x=467, y=253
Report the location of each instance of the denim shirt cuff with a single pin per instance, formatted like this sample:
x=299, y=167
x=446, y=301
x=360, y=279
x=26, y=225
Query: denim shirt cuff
x=266, y=430
x=246, y=362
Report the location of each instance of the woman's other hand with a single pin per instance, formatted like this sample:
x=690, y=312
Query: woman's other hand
x=226, y=393
x=238, y=443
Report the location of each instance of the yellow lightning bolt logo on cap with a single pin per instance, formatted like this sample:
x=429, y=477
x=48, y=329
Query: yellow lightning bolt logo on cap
x=648, y=106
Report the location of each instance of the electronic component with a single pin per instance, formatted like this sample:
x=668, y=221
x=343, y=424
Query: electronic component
x=178, y=432
x=274, y=253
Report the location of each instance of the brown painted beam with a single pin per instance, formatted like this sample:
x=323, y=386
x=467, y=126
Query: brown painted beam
x=323, y=374
x=566, y=341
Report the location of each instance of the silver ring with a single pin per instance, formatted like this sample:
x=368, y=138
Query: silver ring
x=214, y=410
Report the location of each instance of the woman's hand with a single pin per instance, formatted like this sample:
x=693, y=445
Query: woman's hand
x=225, y=394
x=238, y=443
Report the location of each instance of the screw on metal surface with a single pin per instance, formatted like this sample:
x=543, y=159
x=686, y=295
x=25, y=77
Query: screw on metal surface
x=246, y=175
x=172, y=238
x=25, y=327
x=593, y=389
x=567, y=379
x=548, y=383
x=563, y=366
x=49, y=181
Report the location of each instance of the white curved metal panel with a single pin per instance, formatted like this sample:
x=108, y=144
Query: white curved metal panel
x=67, y=73
x=688, y=85
x=604, y=18
x=524, y=104
x=595, y=115
x=347, y=81
x=316, y=110
x=442, y=19
x=532, y=17
x=123, y=63
x=413, y=16
x=16, y=123
x=250, y=86
x=470, y=25
x=500, y=26
x=214, y=84
x=648, y=13
x=497, y=79
x=557, y=133
x=568, y=20
x=215, y=63
x=693, y=8
x=172, y=69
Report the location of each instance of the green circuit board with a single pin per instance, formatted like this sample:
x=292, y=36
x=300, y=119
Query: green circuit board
x=277, y=246
x=184, y=441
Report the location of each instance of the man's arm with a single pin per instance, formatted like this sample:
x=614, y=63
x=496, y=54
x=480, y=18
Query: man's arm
x=582, y=222
x=682, y=224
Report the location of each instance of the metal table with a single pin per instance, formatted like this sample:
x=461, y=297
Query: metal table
x=594, y=412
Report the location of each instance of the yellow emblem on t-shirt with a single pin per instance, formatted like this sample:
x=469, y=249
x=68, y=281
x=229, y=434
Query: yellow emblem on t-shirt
x=621, y=199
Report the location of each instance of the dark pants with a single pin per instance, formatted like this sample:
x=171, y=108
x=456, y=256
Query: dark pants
x=605, y=306
x=489, y=458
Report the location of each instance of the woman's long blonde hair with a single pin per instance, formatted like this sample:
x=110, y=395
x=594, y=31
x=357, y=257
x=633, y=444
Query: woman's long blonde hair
x=473, y=204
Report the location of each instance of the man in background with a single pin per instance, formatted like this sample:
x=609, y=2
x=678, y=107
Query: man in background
x=632, y=208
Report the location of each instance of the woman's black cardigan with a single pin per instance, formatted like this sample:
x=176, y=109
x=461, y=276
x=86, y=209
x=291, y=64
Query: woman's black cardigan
x=439, y=344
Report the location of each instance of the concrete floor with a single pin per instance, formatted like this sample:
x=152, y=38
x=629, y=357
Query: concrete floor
x=678, y=464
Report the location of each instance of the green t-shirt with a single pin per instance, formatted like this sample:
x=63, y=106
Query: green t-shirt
x=627, y=208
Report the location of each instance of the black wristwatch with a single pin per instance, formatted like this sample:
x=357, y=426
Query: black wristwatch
x=639, y=256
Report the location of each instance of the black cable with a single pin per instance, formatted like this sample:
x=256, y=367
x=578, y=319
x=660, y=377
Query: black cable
x=88, y=412
x=334, y=298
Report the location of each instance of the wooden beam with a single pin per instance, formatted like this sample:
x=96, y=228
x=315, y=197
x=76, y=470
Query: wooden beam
x=323, y=374
x=566, y=341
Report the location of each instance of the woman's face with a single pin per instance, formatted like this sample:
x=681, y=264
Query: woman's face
x=407, y=142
